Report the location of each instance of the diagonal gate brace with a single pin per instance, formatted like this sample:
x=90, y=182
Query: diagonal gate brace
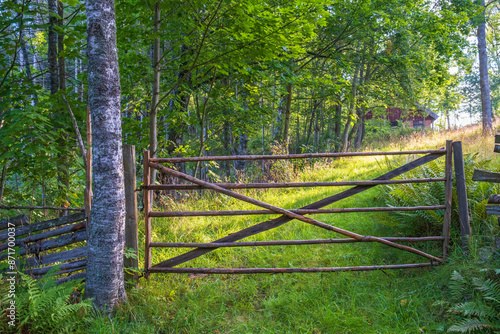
x=288, y=214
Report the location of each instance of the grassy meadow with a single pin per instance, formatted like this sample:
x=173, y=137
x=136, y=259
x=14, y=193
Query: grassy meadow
x=389, y=301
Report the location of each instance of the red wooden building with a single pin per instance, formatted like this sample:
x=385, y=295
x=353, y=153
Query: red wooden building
x=413, y=118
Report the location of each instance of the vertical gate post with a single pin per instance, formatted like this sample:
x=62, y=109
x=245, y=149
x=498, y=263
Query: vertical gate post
x=147, y=218
x=130, y=209
x=463, y=209
x=448, y=196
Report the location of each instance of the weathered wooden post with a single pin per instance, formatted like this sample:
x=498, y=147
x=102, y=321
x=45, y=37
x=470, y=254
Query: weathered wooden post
x=493, y=177
x=463, y=208
x=448, y=196
x=131, y=210
x=147, y=218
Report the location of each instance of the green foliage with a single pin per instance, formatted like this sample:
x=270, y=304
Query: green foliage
x=429, y=194
x=43, y=306
x=481, y=311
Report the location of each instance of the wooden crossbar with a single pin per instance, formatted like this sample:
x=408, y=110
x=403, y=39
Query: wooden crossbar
x=284, y=270
x=293, y=156
x=299, y=211
x=291, y=214
x=288, y=184
x=285, y=242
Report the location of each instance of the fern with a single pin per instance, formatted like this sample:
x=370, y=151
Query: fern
x=468, y=326
x=45, y=307
x=481, y=313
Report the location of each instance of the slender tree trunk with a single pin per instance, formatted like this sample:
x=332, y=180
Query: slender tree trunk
x=153, y=115
x=347, y=128
x=60, y=47
x=338, y=125
x=52, y=46
x=288, y=111
x=2, y=181
x=483, y=76
x=107, y=225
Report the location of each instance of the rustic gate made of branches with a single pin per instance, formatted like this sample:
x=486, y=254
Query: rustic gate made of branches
x=169, y=266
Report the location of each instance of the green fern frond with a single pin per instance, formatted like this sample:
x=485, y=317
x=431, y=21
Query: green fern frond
x=468, y=326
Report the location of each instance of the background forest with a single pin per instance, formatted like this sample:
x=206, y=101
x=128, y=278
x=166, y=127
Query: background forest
x=228, y=78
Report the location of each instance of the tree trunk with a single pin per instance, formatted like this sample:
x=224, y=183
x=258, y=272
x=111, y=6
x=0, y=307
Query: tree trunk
x=338, y=125
x=286, y=135
x=153, y=131
x=60, y=47
x=347, y=128
x=2, y=181
x=107, y=225
x=483, y=76
x=52, y=45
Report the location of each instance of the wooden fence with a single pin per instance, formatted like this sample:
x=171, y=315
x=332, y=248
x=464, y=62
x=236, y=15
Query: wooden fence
x=26, y=244
x=168, y=266
x=36, y=248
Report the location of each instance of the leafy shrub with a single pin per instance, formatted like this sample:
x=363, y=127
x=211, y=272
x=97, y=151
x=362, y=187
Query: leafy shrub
x=482, y=312
x=42, y=306
x=429, y=194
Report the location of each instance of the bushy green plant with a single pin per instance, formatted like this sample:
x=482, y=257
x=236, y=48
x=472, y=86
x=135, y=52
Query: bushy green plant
x=42, y=306
x=482, y=313
x=429, y=194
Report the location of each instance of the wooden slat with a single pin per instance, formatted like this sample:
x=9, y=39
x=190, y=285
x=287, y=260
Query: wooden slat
x=463, y=206
x=44, y=225
x=62, y=208
x=64, y=240
x=71, y=277
x=23, y=219
x=448, y=197
x=64, y=266
x=493, y=210
x=285, y=242
x=147, y=218
x=485, y=176
x=292, y=156
x=288, y=184
x=285, y=270
x=46, y=235
x=271, y=224
x=494, y=199
x=76, y=253
x=299, y=211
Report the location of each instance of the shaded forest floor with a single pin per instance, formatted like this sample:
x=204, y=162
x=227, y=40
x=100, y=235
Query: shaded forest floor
x=390, y=301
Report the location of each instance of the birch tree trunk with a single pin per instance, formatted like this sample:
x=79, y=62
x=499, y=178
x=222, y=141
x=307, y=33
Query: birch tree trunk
x=483, y=76
x=107, y=225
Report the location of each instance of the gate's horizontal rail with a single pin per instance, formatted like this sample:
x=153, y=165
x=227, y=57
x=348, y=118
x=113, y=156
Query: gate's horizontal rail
x=291, y=156
x=288, y=184
x=283, y=270
x=299, y=211
x=286, y=242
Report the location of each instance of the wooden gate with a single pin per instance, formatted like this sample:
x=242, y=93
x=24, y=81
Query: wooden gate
x=169, y=266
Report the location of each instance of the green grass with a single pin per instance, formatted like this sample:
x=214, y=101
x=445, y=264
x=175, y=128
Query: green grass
x=390, y=301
